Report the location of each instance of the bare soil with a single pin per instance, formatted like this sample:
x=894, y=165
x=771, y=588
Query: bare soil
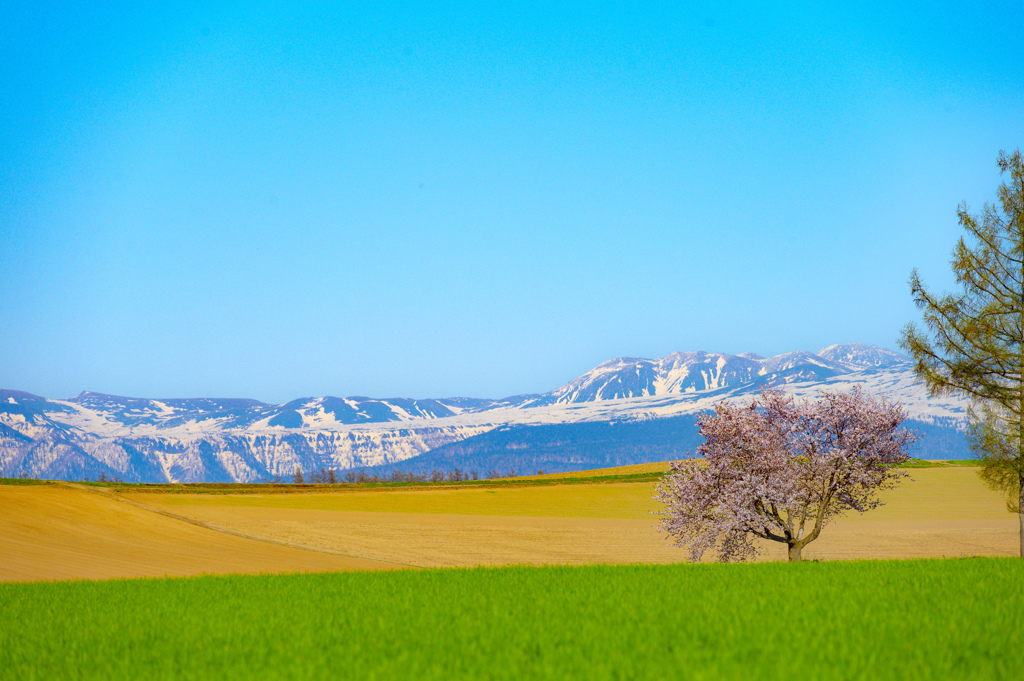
x=58, y=532
x=941, y=512
x=64, y=532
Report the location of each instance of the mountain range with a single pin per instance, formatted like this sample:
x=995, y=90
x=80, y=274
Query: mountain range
x=627, y=410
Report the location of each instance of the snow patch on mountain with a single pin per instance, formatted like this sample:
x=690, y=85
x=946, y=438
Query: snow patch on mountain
x=862, y=355
x=190, y=440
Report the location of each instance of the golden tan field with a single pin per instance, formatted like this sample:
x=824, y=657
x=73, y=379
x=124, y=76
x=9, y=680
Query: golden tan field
x=52, y=532
x=62, y=532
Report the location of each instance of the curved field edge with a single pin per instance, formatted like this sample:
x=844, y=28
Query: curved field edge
x=646, y=472
x=921, y=619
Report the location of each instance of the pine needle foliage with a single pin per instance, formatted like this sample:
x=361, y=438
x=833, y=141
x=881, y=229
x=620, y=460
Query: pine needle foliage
x=973, y=341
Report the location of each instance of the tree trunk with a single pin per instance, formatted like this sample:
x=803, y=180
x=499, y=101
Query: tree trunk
x=794, y=552
x=1020, y=459
x=1020, y=407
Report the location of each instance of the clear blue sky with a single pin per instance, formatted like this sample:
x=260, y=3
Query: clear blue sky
x=256, y=200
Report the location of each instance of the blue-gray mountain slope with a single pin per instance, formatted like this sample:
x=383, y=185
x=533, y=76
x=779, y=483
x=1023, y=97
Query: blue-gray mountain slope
x=650, y=402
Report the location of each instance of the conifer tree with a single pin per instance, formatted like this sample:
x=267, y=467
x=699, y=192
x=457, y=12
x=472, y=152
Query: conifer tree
x=973, y=343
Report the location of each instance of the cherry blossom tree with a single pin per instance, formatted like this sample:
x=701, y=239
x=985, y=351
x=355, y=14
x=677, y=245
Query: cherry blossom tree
x=780, y=470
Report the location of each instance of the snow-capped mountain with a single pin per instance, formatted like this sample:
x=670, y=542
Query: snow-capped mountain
x=205, y=439
x=861, y=355
x=689, y=372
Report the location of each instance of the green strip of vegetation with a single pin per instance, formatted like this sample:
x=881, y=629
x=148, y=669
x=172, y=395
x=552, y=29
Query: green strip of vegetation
x=927, y=619
x=952, y=463
x=290, y=488
x=23, y=481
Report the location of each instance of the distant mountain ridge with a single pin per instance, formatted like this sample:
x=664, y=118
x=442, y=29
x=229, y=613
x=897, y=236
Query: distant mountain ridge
x=862, y=356
x=242, y=439
x=619, y=378
x=686, y=372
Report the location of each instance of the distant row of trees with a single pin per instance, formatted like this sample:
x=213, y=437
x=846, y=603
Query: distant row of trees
x=330, y=476
x=102, y=478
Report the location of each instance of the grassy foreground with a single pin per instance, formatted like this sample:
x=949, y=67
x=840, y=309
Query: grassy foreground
x=859, y=620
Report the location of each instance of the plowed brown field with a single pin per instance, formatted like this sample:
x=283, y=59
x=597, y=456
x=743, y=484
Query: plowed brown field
x=59, y=531
x=62, y=532
x=942, y=512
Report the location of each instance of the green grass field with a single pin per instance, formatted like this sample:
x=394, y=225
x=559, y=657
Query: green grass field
x=926, y=619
